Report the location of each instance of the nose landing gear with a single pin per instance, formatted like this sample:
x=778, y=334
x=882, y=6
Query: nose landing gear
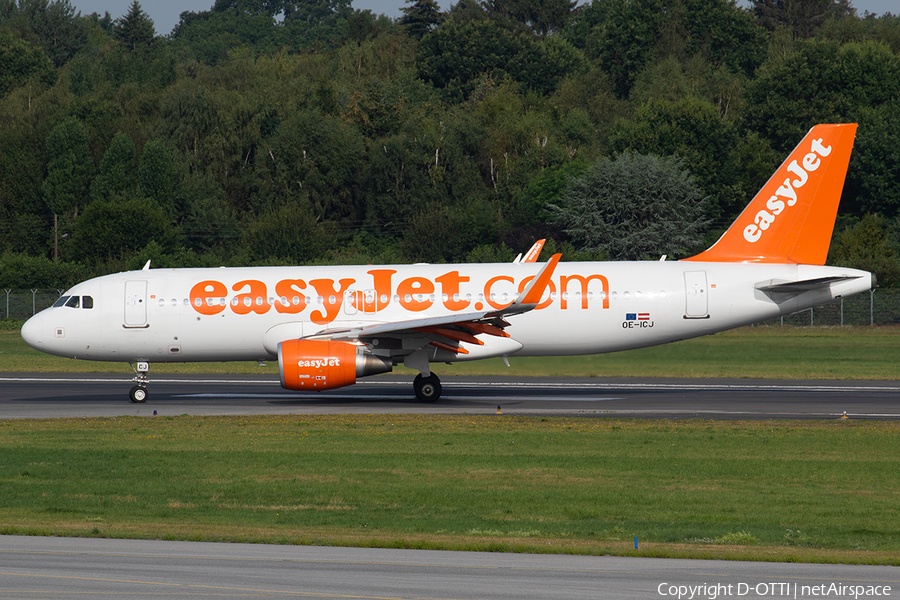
x=138, y=393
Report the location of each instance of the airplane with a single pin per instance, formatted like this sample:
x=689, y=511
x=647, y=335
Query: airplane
x=331, y=325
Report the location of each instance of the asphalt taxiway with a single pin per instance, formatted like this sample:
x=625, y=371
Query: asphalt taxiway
x=43, y=395
x=70, y=568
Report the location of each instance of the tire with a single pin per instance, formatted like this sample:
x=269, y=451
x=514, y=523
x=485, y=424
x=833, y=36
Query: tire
x=428, y=389
x=138, y=394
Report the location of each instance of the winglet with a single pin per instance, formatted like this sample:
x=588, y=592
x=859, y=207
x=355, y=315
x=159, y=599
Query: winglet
x=532, y=294
x=791, y=218
x=535, y=251
x=530, y=297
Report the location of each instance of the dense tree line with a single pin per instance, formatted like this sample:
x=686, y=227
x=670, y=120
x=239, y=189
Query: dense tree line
x=306, y=131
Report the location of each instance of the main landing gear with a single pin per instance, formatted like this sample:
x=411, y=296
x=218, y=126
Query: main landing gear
x=428, y=389
x=138, y=393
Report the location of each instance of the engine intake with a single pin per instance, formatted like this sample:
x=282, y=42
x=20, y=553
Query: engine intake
x=325, y=364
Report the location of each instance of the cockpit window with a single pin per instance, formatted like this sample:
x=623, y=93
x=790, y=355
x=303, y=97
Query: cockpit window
x=62, y=301
x=87, y=302
x=74, y=302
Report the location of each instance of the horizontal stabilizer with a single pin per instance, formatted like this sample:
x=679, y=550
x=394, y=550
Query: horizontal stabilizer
x=798, y=287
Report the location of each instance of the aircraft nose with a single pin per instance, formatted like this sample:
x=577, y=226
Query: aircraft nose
x=33, y=332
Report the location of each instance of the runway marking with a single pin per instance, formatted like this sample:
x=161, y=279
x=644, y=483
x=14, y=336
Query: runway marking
x=152, y=380
x=313, y=395
x=325, y=561
x=520, y=384
x=207, y=587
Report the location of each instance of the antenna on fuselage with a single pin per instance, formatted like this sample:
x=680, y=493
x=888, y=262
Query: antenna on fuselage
x=147, y=266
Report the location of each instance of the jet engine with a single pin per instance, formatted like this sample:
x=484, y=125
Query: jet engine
x=325, y=364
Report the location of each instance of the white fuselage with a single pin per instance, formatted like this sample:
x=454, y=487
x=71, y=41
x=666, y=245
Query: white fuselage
x=184, y=315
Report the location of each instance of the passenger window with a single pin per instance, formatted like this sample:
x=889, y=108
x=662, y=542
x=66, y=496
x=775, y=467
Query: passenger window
x=74, y=302
x=62, y=301
x=87, y=302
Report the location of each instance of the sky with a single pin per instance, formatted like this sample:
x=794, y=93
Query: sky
x=165, y=12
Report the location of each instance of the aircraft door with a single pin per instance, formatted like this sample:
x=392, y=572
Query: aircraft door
x=136, y=304
x=695, y=294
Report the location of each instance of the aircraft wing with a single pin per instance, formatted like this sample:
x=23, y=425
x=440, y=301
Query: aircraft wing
x=454, y=328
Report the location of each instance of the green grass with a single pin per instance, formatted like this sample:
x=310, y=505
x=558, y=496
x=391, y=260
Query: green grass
x=749, y=352
x=759, y=490
x=806, y=491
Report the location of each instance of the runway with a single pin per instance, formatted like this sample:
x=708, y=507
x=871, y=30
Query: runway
x=69, y=568
x=24, y=395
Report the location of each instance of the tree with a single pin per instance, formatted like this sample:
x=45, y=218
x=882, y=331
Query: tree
x=627, y=36
x=820, y=82
x=421, y=17
x=23, y=271
x=158, y=174
x=316, y=21
x=20, y=61
x=69, y=169
x=118, y=229
x=549, y=185
x=865, y=245
x=456, y=54
x=693, y=130
x=318, y=157
x=633, y=207
x=802, y=17
x=873, y=179
x=460, y=55
x=54, y=25
x=289, y=233
x=135, y=29
x=314, y=11
x=543, y=17
x=269, y=8
x=623, y=41
x=211, y=35
x=115, y=177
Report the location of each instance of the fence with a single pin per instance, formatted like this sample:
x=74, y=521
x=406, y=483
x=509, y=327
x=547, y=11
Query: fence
x=21, y=304
x=880, y=307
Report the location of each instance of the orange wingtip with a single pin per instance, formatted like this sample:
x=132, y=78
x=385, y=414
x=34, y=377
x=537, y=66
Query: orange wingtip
x=535, y=251
x=538, y=286
x=791, y=218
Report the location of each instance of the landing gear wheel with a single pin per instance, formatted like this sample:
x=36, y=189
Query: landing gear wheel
x=138, y=394
x=428, y=389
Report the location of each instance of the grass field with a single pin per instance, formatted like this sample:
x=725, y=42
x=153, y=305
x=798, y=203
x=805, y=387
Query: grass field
x=820, y=492
x=749, y=352
x=795, y=491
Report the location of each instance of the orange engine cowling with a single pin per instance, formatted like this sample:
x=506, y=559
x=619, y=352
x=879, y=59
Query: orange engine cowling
x=325, y=364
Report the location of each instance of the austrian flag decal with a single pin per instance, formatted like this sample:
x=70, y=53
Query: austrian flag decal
x=637, y=321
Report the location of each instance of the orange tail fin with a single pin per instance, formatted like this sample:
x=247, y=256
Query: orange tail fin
x=791, y=218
